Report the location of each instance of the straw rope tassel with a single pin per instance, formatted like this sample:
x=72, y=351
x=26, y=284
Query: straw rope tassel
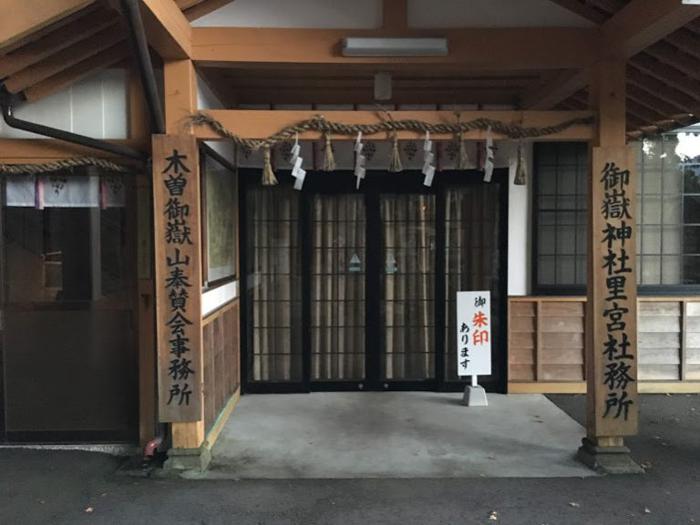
x=462, y=157
x=268, y=176
x=395, y=162
x=328, y=157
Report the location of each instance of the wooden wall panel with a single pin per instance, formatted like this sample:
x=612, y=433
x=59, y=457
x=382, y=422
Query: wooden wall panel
x=659, y=343
x=521, y=341
x=691, y=340
x=221, y=360
x=546, y=341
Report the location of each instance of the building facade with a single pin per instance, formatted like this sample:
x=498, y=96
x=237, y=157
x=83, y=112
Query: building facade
x=140, y=301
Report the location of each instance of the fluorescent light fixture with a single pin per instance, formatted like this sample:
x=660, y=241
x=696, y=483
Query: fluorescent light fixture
x=394, y=47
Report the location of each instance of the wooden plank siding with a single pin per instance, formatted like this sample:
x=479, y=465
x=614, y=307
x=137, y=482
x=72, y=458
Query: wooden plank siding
x=546, y=344
x=221, y=348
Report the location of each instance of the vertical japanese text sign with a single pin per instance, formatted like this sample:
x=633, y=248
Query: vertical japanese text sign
x=176, y=211
x=474, y=333
x=612, y=371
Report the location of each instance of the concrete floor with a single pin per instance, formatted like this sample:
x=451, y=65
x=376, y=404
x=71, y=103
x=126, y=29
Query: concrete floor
x=395, y=435
x=73, y=488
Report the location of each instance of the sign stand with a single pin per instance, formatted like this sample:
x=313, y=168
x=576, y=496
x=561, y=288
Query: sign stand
x=475, y=395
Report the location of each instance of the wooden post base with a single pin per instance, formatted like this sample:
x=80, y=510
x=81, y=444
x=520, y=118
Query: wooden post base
x=187, y=459
x=607, y=459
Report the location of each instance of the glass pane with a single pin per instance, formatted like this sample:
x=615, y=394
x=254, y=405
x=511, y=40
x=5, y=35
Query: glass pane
x=338, y=266
x=671, y=270
x=672, y=209
x=408, y=319
x=274, y=284
x=651, y=209
x=691, y=177
x=691, y=209
x=691, y=240
x=691, y=270
x=220, y=208
x=68, y=342
x=546, y=240
x=650, y=269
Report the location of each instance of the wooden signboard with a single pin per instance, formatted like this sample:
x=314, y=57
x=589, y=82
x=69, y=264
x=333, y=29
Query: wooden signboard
x=612, y=295
x=176, y=201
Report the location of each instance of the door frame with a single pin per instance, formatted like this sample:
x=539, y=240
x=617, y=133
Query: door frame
x=375, y=183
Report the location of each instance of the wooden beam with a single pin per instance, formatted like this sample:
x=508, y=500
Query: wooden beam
x=168, y=31
x=27, y=151
x=74, y=73
x=258, y=124
x=641, y=23
x=365, y=95
x=686, y=40
x=658, y=88
x=485, y=49
x=673, y=57
x=394, y=16
x=667, y=74
x=55, y=41
x=654, y=103
x=204, y=8
x=582, y=10
x=638, y=25
x=62, y=60
x=561, y=88
x=26, y=17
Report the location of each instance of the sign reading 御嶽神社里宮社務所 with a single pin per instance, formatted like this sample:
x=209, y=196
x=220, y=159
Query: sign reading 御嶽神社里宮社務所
x=474, y=333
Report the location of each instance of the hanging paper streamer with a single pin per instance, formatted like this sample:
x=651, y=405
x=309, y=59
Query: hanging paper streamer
x=298, y=172
x=490, y=156
x=359, y=160
x=295, y=151
x=520, y=170
x=428, y=158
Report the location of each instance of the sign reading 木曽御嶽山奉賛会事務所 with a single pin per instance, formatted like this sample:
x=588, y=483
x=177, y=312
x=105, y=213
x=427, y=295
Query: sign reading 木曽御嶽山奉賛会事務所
x=474, y=333
x=178, y=269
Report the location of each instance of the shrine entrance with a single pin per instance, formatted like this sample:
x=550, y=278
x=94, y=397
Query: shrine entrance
x=354, y=289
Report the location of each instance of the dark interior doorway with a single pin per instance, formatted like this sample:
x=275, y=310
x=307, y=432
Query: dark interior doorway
x=350, y=289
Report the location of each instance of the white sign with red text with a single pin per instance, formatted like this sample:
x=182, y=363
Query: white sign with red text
x=474, y=333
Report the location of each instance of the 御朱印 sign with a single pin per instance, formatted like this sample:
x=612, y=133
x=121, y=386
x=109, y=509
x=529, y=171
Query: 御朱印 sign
x=474, y=333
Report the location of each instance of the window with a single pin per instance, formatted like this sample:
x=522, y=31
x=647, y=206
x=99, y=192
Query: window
x=219, y=209
x=68, y=254
x=668, y=216
x=560, y=203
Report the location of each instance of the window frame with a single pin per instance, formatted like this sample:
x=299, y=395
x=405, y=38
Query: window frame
x=671, y=290
x=206, y=151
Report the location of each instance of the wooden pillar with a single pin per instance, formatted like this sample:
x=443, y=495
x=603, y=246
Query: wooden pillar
x=180, y=95
x=611, y=309
x=187, y=432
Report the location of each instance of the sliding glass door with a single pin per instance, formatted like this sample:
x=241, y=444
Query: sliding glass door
x=351, y=289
